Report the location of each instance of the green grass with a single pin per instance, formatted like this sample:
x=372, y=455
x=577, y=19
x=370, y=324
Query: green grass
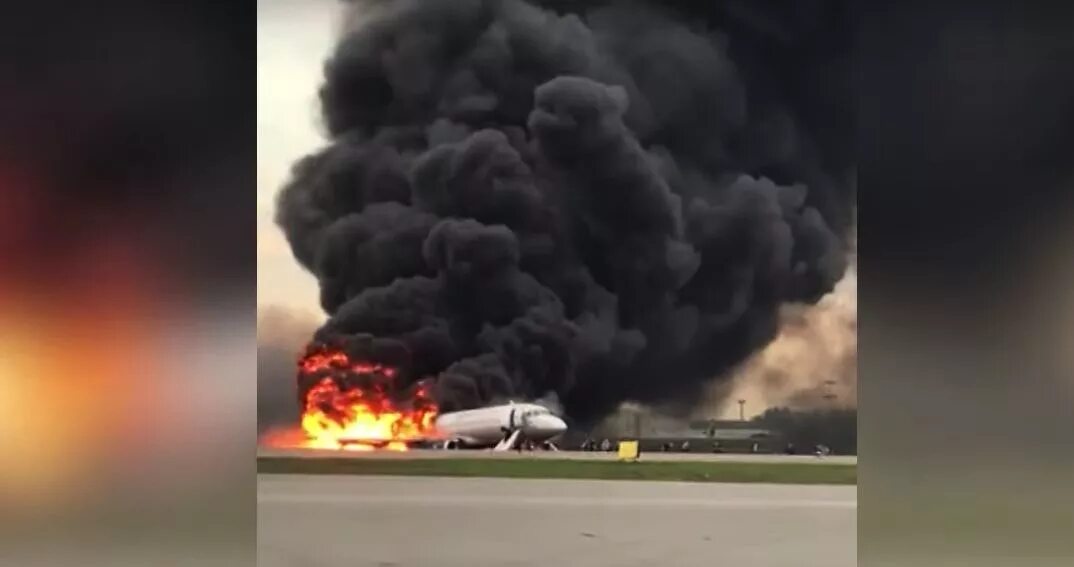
x=691, y=471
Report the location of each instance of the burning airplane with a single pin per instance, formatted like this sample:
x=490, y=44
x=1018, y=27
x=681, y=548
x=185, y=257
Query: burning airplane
x=609, y=204
x=354, y=405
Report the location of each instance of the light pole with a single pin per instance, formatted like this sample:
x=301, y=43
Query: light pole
x=829, y=396
x=742, y=410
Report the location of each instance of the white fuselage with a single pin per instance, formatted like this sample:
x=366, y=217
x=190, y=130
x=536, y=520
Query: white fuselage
x=487, y=426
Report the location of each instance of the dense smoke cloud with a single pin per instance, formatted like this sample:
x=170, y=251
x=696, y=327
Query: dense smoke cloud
x=281, y=335
x=609, y=204
x=812, y=363
x=827, y=374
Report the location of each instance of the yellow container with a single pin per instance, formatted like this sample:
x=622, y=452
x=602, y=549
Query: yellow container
x=628, y=450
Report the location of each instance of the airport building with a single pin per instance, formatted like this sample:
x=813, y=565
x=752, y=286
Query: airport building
x=657, y=432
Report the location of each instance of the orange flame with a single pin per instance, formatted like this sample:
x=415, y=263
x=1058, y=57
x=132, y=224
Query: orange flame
x=360, y=419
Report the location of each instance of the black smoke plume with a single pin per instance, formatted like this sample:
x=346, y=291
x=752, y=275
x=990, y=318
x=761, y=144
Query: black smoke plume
x=602, y=201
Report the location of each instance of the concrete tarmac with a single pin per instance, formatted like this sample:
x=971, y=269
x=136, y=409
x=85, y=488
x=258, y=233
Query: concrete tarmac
x=573, y=455
x=371, y=521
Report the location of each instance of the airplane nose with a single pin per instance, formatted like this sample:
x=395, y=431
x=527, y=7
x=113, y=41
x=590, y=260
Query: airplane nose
x=549, y=425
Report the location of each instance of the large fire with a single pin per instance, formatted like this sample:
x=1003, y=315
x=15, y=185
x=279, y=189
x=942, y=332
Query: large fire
x=356, y=406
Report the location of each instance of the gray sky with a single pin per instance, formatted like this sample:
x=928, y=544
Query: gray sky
x=293, y=39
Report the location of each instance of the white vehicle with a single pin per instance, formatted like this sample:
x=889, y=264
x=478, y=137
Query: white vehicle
x=501, y=427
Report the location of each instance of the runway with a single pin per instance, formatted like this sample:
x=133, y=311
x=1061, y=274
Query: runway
x=574, y=455
x=472, y=522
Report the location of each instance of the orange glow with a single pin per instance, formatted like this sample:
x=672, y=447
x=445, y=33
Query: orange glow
x=74, y=354
x=356, y=418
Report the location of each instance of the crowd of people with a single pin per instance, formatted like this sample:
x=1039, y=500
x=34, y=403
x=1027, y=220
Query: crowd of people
x=593, y=445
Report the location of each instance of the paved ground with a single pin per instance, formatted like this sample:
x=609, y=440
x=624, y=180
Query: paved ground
x=322, y=521
x=580, y=455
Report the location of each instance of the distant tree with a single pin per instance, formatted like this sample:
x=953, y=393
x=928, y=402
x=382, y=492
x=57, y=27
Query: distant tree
x=836, y=428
